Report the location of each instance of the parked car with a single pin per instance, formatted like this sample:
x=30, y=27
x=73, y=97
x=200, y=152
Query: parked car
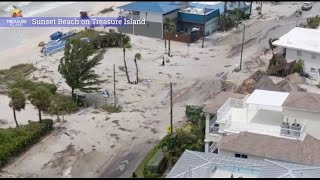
x=306, y=6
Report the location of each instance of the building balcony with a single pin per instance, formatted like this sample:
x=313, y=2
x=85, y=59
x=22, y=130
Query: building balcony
x=236, y=116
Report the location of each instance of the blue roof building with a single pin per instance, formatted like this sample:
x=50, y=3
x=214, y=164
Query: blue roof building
x=154, y=14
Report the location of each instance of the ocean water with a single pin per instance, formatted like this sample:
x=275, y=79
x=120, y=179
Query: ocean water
x=29, y=8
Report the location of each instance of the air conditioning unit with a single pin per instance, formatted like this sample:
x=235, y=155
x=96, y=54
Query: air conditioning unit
x=295, y=129
x=285, y=128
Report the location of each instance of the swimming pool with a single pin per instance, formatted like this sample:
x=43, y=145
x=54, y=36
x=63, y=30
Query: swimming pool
x=242, y=170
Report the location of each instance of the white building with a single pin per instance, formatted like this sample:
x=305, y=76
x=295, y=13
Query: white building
x=194, y=164
x=266, y=113
x=303, y=44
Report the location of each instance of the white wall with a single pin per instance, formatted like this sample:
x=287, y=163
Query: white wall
x=171, y=15
x=232, y=154
x=153, y=17
x=212, y=25
x=308, y=61
x=312, y=120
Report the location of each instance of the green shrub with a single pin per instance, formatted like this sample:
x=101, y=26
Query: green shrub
x=13, y=141
x=27, y=85
x=313, y=22
x=62, y=104
x=194, y=114
x=156, y=165
x=298, y=67
x=112, y=109
x=15, y=73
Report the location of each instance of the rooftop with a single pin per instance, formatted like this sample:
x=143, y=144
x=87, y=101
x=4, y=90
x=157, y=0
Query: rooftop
x=212, y=106
x=197, y=164
x=267, y=98
x=303, y=100
x=270, y=147
x=301, y=39
x=154, y=7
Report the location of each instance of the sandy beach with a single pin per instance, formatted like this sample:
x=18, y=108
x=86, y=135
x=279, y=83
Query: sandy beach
x=90, y=139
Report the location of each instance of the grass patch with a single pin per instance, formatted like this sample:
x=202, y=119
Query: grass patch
x=89, y=33
x=15, y=73
x=112, y=109
x=14, y=141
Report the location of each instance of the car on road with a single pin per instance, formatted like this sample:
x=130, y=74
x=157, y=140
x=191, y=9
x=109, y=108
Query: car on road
x=306, y=6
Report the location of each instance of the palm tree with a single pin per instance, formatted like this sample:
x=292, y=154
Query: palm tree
x=137, y=56
x=166, y=27
x=171, y=28
x=124, y=47
x=41, y=99
x=17, y=103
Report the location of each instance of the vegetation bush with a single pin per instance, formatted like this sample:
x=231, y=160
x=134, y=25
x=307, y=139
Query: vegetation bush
x=156, y=165
x=62, y=104
x=27, y=85
x=16, y=72
x=15, y=140
x=298, y=67
x=313, y=22
x=112, y=109
x=101, y=39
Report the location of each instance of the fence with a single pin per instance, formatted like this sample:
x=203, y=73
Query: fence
x=183, y=37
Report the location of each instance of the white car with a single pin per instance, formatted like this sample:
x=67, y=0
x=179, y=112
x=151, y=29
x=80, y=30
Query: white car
x=306, y=6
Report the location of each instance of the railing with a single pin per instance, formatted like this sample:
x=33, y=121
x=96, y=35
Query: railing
x=212, y=147
x=224, y=111
x=265, y=129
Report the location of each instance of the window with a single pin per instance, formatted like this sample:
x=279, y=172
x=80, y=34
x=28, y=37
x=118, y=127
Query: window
x=313, y=56
x=237, y=155
x=313, y=70
x=299, y=53
x=244, y=156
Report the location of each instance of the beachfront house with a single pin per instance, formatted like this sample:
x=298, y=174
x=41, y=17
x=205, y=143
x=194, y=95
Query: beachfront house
x=219, y=5
x=194, y=164
x=191, y=20
x=303, y=44
x=154, y=14
x=280, y=114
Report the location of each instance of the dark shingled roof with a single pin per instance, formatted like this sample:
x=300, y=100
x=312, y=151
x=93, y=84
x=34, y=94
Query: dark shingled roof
x=303, y=101
x=271, y=147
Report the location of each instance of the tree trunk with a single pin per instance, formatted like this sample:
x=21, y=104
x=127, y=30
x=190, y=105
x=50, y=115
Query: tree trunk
x=165, y=42
x=125, y=64
x=137, y=70
x=15, y=118
x=40, y=115
x=225, y=15
x=72, y=94
x=260, y=8
x=250, y=7
x=169, y=47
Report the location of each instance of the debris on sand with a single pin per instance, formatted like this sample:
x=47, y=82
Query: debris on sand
x=260, y=80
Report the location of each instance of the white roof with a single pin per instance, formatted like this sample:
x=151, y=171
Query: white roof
x=301, y=39
x=267, y=98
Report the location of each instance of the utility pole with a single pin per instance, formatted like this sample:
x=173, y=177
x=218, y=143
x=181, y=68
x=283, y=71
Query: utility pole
x=238, y=14
x=171, y=127
x=244, y=29
x=204, y=26
x=114, y=86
